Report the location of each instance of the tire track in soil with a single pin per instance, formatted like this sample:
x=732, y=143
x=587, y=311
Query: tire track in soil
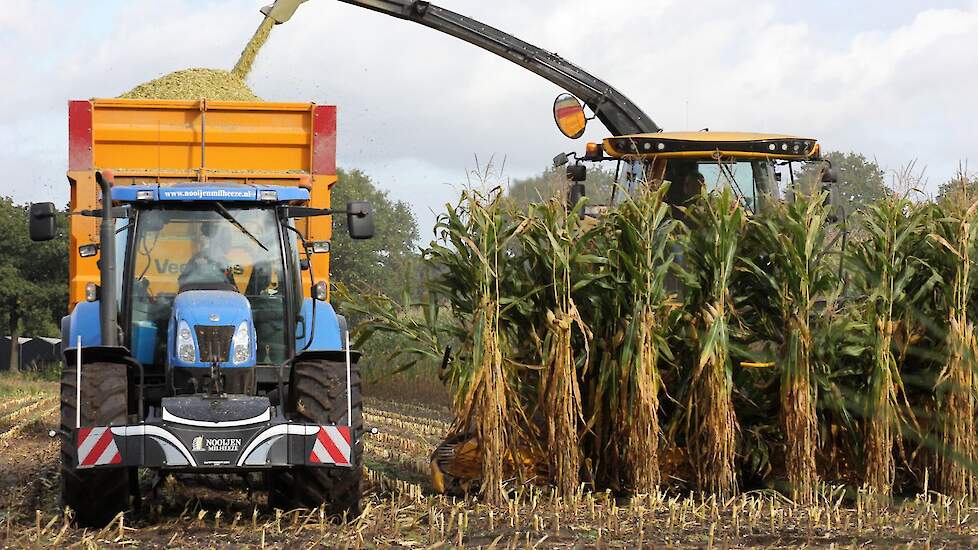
x=9, y=406
x=25, y=422
x=10, y=417
x=404, y=442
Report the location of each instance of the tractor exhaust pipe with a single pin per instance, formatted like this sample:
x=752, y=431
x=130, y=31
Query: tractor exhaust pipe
x=108, y=310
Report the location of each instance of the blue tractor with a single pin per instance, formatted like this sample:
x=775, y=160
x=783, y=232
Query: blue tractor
x=198, y=351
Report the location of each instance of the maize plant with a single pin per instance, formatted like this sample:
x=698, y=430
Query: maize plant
x=891, y=279
x=711, y=246
x=793, y=274
x=955, y=230
x=555, y=248
x=638, y=314
x=472, y=253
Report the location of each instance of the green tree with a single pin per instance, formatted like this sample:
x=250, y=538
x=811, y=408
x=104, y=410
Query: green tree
x=553, y=182
x=380, y=264
x=33, y=277
x=962, y=186
x=860, y=180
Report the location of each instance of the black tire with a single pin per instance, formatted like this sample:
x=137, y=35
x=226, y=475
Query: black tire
x=317, y=395
x=98, y=495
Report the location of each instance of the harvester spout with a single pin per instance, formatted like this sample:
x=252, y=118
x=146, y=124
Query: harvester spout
x=108, y=310
x=281, y=10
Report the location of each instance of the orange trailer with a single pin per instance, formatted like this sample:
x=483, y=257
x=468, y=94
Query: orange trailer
x=164, y=142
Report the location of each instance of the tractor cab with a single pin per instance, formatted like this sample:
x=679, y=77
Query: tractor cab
x=755, y=166
x=211, y=283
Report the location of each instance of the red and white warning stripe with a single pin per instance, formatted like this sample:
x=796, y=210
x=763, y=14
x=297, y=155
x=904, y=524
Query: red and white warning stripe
x=96, y=447
x=332, y=446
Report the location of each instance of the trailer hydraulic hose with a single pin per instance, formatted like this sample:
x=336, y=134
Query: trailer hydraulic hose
x=108, y=310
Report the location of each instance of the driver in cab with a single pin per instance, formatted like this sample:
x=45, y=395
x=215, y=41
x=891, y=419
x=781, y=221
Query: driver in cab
x=208, y=268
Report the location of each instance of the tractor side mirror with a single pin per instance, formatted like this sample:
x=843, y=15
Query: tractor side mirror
x=569, y=116
x=577, y=172
x=43, y=224
x=360, y=220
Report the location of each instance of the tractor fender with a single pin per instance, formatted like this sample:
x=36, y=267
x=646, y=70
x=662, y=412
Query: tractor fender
x=84, y=321
x=326, y=330
x=101, y=354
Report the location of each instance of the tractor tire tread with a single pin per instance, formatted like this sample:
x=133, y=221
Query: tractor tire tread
x=96, y=496
x=318, y=395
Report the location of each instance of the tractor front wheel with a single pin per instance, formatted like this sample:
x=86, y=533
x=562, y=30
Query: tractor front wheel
x=96, y=495
x=317, y=395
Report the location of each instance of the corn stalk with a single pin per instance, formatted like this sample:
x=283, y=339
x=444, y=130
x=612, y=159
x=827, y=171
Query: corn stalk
x=643, y=233
x=711, y=244
x=891, y=279
x=956, y=233
x=555, y=250
x=793, y=272
x=472, y=256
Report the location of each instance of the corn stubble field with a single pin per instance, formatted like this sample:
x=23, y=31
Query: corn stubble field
x=401, y=511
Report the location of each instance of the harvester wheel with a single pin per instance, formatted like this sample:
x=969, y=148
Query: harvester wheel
x=317, y=395
x=95, y=495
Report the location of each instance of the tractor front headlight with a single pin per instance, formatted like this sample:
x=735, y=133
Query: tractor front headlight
x=241, y=343
x=186, y=349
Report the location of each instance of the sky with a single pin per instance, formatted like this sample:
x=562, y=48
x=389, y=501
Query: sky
x=420, y=112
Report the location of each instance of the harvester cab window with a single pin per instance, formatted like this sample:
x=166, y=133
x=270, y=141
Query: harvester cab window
x=175, y=250
x=748, y=179
x=630, y=177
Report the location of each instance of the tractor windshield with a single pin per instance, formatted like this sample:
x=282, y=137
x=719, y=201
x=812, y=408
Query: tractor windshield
x=218, y=248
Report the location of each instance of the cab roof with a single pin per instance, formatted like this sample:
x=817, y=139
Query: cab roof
x=710, y=144
x=210, y=192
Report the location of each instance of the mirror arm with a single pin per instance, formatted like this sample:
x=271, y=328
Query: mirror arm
x=118, y=212
x=303, y=212
x=309, y=212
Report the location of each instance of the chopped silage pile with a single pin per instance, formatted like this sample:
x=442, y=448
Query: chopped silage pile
x=195, y=84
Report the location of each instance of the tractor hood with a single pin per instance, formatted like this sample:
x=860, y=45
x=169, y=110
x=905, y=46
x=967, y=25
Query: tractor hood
x=213, y=317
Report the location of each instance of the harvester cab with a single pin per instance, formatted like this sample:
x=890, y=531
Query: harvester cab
x=200, y=336
x=755, y=166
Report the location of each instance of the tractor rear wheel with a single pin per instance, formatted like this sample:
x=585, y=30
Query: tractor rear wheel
x=96, y=495
x=317, y=395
